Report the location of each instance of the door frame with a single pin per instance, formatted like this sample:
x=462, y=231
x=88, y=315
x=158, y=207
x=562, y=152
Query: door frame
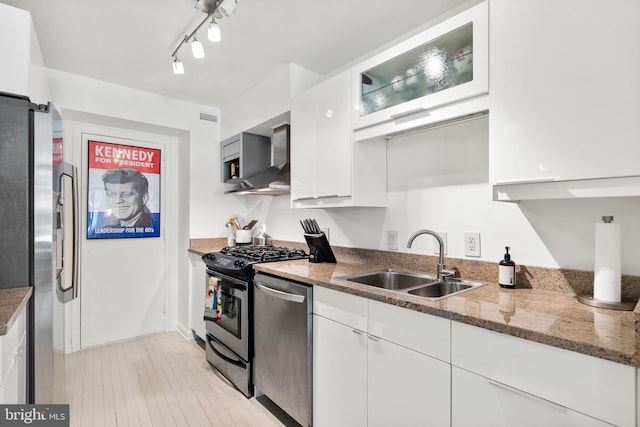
x=170, y=183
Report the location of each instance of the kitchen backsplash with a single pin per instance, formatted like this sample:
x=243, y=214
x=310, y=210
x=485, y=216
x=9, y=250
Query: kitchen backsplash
x=575, y=282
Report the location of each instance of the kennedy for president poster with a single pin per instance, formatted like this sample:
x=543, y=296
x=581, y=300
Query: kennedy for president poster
x=124, y=191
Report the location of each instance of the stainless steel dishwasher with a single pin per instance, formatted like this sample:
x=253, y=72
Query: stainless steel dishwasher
x=282, y=318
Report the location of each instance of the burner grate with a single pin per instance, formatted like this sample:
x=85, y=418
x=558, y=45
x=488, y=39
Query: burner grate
x=264, y=253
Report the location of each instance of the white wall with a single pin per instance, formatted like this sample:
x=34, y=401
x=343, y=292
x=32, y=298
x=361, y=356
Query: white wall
x=37, y=78
x=439, y=179
x=266, y=100
x=22, y=70
x=15, y=33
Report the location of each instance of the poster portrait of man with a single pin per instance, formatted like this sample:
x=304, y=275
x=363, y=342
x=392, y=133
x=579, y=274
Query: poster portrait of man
x=124, y=191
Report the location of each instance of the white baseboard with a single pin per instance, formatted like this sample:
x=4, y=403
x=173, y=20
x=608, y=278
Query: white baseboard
x=187, y=334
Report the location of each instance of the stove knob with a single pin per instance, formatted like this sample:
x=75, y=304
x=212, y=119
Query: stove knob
x=238, y=264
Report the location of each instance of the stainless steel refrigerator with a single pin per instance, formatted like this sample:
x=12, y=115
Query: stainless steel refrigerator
x=32, y=231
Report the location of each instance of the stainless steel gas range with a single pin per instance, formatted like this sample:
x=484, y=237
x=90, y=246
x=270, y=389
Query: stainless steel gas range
x=229, y=316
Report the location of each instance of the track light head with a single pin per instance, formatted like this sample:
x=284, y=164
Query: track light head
x=196, y=48
x=178, y=67
x=228, y=7
x=214, y=31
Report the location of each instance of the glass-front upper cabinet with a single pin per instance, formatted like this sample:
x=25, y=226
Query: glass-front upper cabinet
x=444, y=64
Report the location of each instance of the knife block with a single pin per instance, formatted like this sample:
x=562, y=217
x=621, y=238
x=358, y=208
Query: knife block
x=319, y=248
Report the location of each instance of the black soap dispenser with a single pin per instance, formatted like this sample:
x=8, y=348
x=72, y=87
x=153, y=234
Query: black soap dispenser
x=507, y=271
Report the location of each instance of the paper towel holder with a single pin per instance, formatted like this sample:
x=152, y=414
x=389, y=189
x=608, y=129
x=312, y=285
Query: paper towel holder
x=623, y=305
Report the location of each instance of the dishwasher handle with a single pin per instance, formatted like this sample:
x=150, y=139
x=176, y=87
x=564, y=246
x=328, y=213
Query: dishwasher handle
x=280, y=294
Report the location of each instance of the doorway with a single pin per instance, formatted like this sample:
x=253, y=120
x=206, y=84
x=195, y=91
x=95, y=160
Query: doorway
x=125, y=282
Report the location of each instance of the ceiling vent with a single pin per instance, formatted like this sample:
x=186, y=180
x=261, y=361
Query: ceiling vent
x=209, y=117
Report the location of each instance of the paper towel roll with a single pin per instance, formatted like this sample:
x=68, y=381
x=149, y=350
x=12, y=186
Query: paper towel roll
x=607, y=270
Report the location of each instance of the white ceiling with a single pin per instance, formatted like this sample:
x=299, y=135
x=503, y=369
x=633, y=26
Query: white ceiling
x=129, y=42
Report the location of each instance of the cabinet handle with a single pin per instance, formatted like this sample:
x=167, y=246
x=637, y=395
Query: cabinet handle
x=276, y=293
x=407, y=113
x=374, y=338
x=329, y=196
x=527, y=395
x=357, y=332
x=528, y=181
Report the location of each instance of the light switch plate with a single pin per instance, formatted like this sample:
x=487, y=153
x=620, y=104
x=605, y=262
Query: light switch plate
x=392, y=240
x=472, y=244
x=436, y=248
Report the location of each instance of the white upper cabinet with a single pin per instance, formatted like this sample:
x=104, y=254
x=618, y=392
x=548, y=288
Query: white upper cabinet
x=564, y=99
x=327, y=168
x=409, y=83
x=321, y=140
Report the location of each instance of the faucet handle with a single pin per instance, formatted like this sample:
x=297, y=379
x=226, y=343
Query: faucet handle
x=448, y=273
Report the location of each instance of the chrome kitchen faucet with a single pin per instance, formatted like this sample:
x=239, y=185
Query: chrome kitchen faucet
x=441, y=273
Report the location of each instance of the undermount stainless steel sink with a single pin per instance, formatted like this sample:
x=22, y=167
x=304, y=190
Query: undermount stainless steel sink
x=441, y=289
x=413, y=283
x=391, y=279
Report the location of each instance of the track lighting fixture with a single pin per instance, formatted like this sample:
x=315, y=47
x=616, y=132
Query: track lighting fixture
x=215, y=9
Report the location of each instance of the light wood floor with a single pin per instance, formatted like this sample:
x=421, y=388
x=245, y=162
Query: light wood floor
x=157, y=380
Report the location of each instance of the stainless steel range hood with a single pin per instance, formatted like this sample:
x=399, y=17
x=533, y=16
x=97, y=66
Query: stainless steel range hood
x=275, y=180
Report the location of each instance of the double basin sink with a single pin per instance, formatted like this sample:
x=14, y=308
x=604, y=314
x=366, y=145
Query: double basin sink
x=413, y=283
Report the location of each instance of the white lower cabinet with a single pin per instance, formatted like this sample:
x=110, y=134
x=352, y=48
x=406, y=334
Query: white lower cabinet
x=549, y=386
x=366, y=379
x=376, y=364
x=481, y=402
x=339, y=374
x=406, y=388
x=13, y=380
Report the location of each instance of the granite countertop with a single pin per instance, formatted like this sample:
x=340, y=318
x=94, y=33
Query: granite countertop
x=544, y=316
x=10, y=302
x=204, y=246
x=543, y=308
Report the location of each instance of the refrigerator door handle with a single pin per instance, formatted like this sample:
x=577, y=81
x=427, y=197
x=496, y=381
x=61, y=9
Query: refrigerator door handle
x=70, y=171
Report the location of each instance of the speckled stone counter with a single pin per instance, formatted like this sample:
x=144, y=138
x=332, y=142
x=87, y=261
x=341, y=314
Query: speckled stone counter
x=10, y=302
x=543, y=308
x=548, y=317
x=204, y=246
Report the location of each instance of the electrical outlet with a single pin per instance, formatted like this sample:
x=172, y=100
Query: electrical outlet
x=472, y=244
x=392, y=240
x=436, y=247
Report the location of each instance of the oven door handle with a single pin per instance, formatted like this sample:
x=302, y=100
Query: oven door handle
x=227, y=359
x=280, y=294
x=229, y=282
